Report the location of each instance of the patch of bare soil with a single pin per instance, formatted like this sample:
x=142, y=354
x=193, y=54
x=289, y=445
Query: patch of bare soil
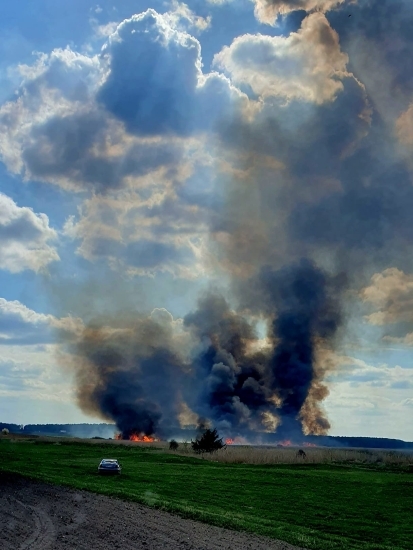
x=39, y=516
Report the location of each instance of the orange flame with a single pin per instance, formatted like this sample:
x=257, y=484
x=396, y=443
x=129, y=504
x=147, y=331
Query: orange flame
x=229, y=441
x=306, y=444
x=285, y=443
x=143, y=438
x=139, y=438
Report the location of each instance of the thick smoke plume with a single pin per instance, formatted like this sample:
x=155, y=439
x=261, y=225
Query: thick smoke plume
x=141, y=375
x=130, y=373
x=307, y=302
x=318, y=199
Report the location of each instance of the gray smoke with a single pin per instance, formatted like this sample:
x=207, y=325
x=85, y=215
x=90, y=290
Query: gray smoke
x=319, y=199
x=135, y=375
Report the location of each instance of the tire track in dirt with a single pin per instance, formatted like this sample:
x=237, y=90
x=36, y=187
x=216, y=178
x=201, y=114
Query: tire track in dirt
x=44, y=533
x=39, y=516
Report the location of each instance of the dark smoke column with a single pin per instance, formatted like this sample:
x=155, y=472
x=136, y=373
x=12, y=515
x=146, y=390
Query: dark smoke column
x=127, y=371
x=306, y=301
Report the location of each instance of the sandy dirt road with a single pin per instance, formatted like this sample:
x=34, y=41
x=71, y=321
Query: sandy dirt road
x=39, y=516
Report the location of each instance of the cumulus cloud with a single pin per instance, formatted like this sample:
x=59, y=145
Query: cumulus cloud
x=155, y=83
x=65, y=128
x=307, y=64
x=23, y=326
x=181, y=14
x=53, y=135
x=30, y=372
x=86, y=150
x=98, y=123
x=356, y=372
x=267, y=11
x=406, y=340
x=391, y=294
x=138, y=234
x=24, y=238
x=55, y=87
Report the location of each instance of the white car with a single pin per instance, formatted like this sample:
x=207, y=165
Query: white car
x=109, y=466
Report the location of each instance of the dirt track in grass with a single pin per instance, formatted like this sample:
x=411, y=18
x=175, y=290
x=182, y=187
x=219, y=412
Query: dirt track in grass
x=39, y=516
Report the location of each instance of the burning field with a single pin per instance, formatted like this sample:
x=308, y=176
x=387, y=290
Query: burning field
x=277, y=235
x=153, y=375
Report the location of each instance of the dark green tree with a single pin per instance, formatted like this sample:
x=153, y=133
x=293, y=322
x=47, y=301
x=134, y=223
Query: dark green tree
x=208, y=442
x=173, y=445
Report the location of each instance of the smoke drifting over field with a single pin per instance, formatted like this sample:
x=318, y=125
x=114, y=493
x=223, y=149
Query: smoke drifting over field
x=286, y=181
x=142, y=373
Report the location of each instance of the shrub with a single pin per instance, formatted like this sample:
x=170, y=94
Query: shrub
x=5, y=431
x=173, y=445
x=208, y=442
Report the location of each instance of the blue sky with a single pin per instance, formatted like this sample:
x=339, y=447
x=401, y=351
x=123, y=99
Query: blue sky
x=152, y=150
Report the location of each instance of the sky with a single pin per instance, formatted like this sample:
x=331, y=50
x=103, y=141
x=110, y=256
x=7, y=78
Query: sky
x=151, y=151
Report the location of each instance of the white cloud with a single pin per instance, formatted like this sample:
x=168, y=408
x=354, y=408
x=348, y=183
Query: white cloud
x=154, y=81
x=181, y=14
x=142, y=236
x=391, y=294
x=55, y=86
x=116, y=125
x=103, y=31
x=31, y=373
x=24, y=238
x=21, y=325
x=56, y=130
x=354, y=372
x=306, y=65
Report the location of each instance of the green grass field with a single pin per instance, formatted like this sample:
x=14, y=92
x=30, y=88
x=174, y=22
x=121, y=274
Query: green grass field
x=321, y=507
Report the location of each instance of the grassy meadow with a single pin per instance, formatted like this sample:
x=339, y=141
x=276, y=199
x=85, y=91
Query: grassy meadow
x=361, y=504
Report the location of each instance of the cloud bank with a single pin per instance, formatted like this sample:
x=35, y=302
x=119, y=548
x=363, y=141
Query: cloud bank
x=25, y=238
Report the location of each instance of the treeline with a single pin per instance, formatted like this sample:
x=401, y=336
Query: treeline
x=108, y=430
x=372, y=442
x=61, y=430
